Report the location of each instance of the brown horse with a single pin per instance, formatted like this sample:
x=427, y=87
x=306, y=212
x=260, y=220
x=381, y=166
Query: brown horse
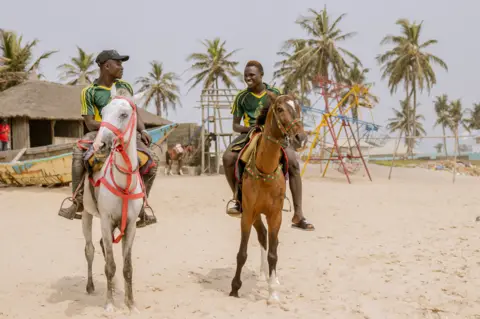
x=264, y=186
x=178, y=153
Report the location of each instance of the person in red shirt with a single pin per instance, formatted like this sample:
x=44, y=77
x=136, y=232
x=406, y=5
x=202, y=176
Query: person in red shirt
x=4, y=134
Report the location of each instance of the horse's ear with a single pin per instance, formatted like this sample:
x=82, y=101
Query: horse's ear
x=138, y=97
x=272, y=97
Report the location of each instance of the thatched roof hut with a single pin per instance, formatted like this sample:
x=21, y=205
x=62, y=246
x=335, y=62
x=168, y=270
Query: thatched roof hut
x=52, y=101
x=43, y=113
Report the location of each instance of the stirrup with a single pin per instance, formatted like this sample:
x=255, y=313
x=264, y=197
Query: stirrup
x=143, y=220
x=145, y=211
x=289, y=205
x=73, y=201
x=236, y=201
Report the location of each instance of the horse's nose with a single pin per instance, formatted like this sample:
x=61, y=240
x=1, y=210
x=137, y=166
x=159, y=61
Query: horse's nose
x=301, y=138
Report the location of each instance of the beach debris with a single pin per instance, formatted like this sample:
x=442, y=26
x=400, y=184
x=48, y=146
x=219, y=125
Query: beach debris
x=464, y=168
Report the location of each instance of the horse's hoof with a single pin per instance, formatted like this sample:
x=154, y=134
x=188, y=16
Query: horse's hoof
x=109, y=308
x=477, y=219
x=274, y=299
x=90, y=288
x=134, y=310
x=234, y=294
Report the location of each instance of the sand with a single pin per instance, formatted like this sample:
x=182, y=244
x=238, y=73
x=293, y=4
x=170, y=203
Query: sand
x=405, y=248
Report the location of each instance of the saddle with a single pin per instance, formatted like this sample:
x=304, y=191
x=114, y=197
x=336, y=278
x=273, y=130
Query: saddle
x=248, y=151
x=95, y=161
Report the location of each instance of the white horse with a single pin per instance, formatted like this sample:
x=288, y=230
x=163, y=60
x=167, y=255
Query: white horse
x=118, y=194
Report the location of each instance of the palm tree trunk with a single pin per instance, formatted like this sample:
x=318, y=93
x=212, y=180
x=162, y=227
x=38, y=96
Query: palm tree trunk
x=407, y=99
x=445, y=142
x=158, y=105
x=302, y=94
x=358, y=132
x=455, y=157
x=414, y=118
x=324, y=137
x=395, y=154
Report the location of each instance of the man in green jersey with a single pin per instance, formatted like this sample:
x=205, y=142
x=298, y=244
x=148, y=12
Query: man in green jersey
x=248, y=105
x=93, y=99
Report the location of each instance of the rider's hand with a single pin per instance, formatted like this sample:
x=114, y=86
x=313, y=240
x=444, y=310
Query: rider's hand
x=146, y=138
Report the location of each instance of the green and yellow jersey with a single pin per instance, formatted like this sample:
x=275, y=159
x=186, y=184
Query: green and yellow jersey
x=248, y=104
x=95, y=97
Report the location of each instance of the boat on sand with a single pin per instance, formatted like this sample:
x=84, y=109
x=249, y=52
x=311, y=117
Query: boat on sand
x=51, y=165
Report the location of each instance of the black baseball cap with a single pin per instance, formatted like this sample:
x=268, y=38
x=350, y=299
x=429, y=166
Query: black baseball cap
x=106, y=55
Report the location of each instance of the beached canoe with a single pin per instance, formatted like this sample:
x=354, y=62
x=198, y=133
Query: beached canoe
x=56, y=169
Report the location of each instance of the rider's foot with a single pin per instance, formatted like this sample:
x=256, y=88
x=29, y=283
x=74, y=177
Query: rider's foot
x=302, y=224
x=71, y=212
x=235, y=211
x=145, y=219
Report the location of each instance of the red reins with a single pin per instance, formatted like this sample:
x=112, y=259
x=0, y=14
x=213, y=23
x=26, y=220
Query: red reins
x=120, y=148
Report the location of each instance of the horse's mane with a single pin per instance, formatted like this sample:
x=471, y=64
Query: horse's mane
x=262, y=117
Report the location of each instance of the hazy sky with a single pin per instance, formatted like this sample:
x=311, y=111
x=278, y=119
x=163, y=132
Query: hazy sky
x=168, y=31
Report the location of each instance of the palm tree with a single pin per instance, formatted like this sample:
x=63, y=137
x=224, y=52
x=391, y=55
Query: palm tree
x=438, y=147
x=442, y=108
x=79, y=71
x=408, y=62
x=403, y=120
x=212, y=67
x=456, y=120
x=321, y=54
x=357, y=77
x=473, y=120
x=294, y=80
x=16, y=59
x=161, y=88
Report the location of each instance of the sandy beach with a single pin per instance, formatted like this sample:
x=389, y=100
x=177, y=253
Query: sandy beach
x=404, y=248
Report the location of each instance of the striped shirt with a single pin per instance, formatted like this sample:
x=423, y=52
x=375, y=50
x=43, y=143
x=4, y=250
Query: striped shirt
x=247, y=104
x=95, y=97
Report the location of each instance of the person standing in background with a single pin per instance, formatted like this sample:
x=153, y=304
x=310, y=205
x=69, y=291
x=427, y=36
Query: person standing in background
x=4, y=134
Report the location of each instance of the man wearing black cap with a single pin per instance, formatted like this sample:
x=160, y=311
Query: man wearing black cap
x=93, y=99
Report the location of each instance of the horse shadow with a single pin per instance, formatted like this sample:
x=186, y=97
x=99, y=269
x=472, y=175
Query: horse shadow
x=72, y=289
x=220, y=280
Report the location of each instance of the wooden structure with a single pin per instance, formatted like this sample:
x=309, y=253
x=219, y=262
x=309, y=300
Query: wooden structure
x=215, y=104
x=43, y=113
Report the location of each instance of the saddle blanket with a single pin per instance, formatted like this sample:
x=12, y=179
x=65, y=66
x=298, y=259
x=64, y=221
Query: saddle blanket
x=95, y=161
x=247, y=152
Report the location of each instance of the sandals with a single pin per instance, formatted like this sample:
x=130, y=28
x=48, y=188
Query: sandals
x=303, y=224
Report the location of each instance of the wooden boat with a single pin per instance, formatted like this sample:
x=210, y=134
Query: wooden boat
x=51, y=165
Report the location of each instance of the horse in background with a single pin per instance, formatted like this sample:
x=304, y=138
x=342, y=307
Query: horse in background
x=177, y=152
x=263, y=185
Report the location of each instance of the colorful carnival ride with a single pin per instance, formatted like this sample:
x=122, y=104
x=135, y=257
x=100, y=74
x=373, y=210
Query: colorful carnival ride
x=339, y=141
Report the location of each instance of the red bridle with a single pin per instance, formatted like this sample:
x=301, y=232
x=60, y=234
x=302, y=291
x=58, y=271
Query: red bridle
x=120, y=147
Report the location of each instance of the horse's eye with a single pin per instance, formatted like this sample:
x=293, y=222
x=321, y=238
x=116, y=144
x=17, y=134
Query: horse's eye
x=279, y=110
x=123, y=115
